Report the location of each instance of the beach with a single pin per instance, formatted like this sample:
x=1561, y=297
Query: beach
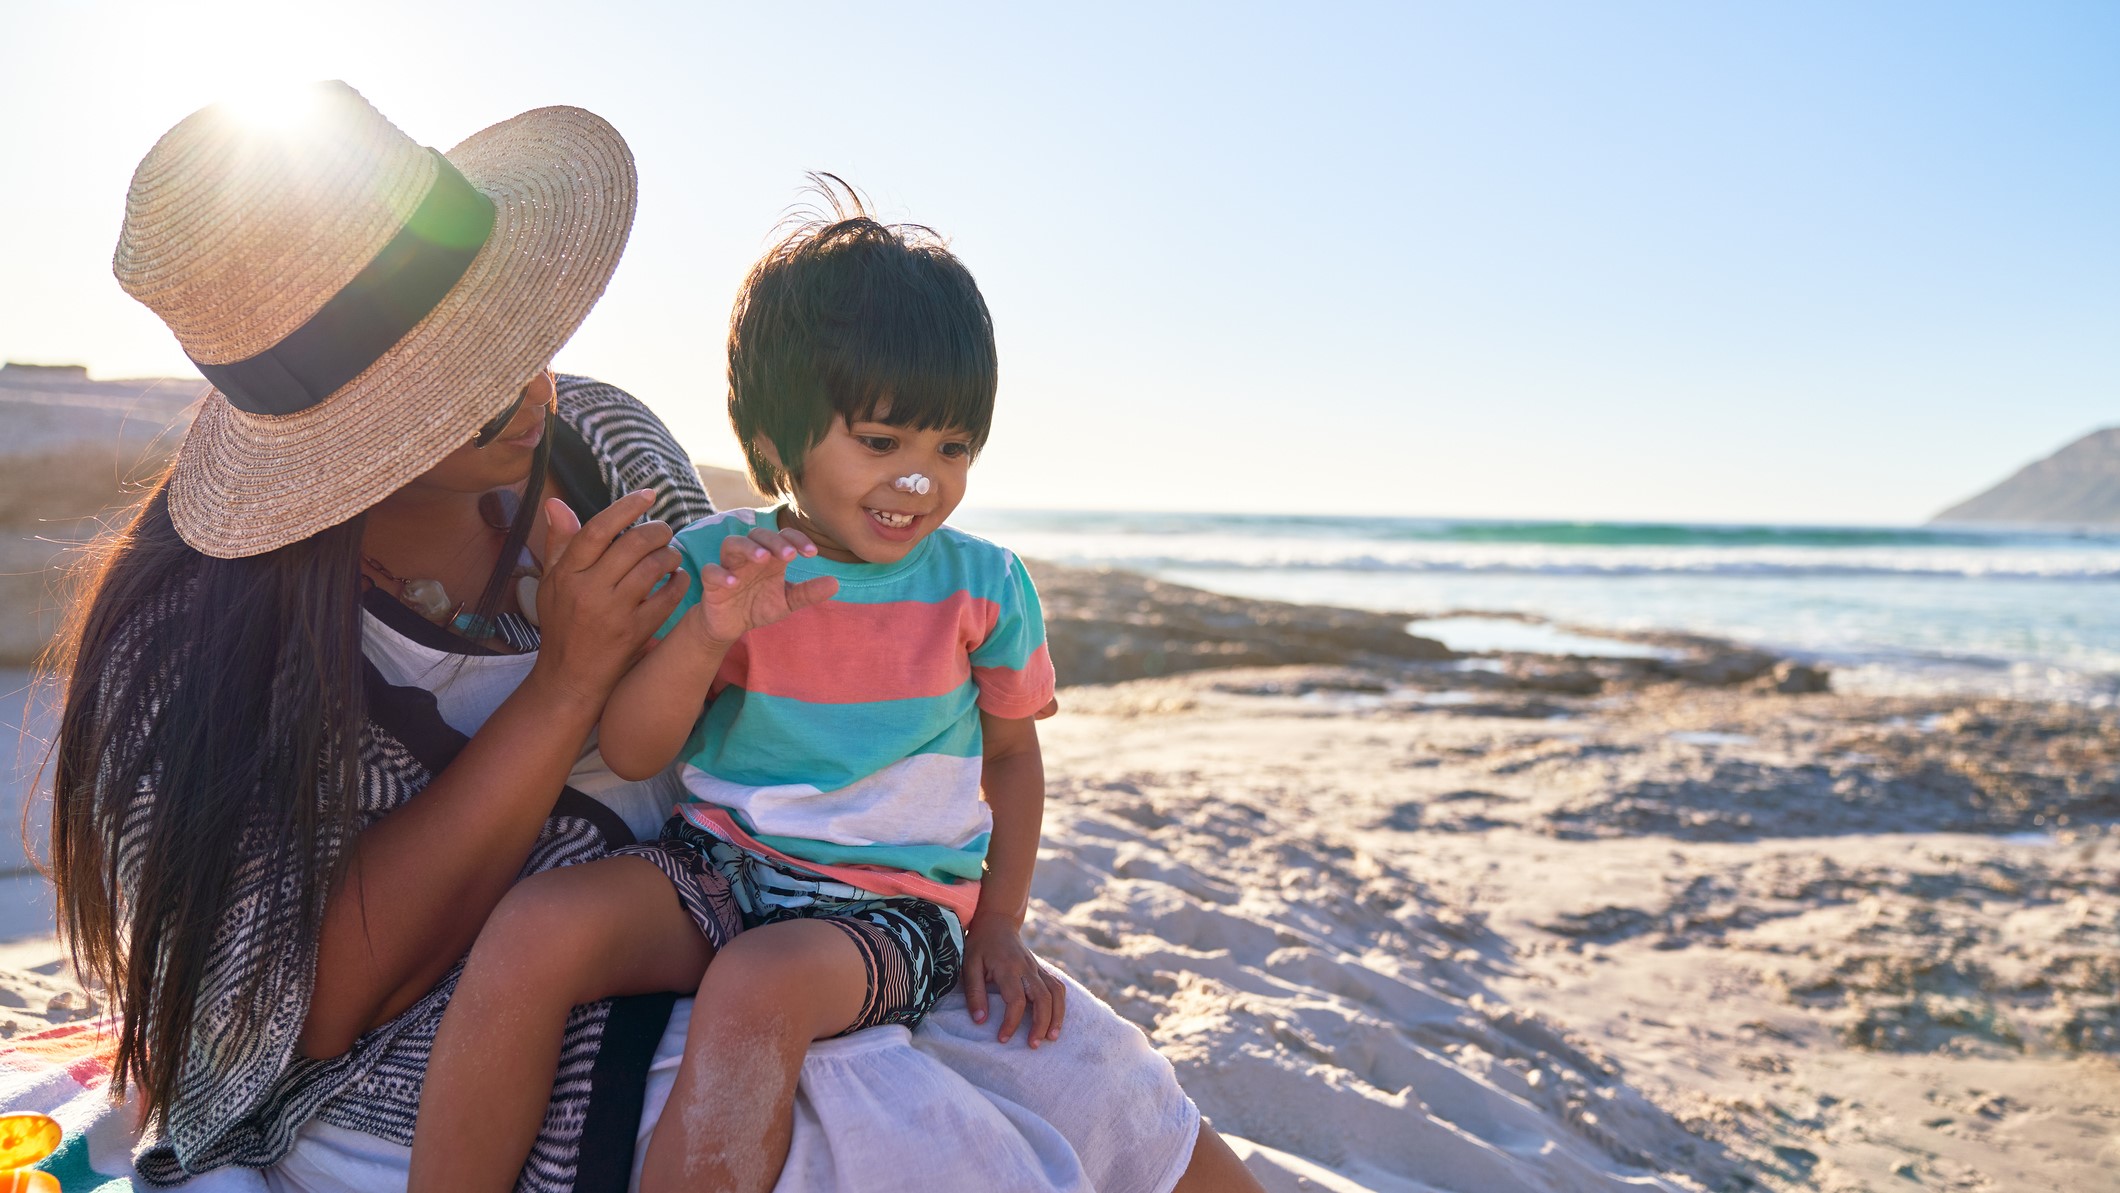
x=1409, y=918
x=1579, y=544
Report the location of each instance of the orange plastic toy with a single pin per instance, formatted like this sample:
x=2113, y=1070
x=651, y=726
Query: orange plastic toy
x=25, y=1138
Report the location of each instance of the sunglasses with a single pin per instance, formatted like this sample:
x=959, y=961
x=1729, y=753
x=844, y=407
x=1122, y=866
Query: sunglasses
x=493, y=428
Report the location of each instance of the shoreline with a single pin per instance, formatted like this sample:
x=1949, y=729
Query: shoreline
x=1409, y=918
x=1893, y=610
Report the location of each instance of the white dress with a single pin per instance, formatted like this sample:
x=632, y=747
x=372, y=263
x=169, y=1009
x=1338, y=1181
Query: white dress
x=935, y=1110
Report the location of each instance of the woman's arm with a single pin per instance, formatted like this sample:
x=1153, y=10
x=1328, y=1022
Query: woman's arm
x=421, y=880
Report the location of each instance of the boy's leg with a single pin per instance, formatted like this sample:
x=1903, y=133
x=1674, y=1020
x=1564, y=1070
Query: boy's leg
x=574, y=935
x=769, y=993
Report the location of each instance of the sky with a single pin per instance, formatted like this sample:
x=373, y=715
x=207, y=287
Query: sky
x=1793, y=262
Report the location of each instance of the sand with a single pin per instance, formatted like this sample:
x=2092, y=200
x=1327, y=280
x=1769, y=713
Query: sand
x=1384, y=924
x=1408, y=921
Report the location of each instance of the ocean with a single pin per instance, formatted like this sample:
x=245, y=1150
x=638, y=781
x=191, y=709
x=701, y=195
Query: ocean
x=1891, y=609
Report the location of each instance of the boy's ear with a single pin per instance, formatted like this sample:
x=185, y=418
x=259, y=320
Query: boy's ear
x=768, y=475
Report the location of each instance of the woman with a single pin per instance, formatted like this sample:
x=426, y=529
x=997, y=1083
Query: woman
x=324, y=705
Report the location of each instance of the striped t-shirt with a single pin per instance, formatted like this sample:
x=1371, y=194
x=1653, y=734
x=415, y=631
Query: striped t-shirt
x=846, y=736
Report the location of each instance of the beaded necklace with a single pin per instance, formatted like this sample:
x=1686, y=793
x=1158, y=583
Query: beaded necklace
x=431, y=600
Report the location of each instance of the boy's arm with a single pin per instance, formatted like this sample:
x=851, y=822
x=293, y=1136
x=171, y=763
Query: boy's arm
x=652, y=710
x=1013, y=779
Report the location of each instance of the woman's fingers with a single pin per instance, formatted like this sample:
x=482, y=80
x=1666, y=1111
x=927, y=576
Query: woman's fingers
x=586, y=546
x=656, y=564
x=633, y=545
x=656, y=610
x=592, y=630
x=560, y=528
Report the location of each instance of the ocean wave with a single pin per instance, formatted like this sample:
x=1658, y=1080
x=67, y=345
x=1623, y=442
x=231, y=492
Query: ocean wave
x=1413, y=546
x=1590, y=568
x=1685, y=535
x=1502, y=559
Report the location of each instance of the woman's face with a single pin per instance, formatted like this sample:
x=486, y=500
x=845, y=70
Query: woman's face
x=504, y=461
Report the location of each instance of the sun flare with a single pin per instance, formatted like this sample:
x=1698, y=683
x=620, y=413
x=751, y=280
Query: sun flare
x=277, y=104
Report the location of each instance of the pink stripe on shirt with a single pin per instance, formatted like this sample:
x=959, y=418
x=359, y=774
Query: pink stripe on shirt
x=1013, y=694
x=844, y=653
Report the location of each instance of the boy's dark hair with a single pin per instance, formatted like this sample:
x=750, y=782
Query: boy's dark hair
x=848, y=318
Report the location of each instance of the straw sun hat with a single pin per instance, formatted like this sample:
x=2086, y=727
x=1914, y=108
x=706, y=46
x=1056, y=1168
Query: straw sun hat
x=361, y=304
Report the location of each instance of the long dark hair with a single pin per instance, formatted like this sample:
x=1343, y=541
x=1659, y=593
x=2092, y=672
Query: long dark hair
x=231, y=691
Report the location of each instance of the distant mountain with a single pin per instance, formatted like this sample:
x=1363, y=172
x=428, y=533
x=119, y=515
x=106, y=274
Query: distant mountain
x=2076, y=486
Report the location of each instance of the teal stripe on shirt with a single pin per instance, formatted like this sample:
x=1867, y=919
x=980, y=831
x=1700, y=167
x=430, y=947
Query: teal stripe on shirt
x=767, y=741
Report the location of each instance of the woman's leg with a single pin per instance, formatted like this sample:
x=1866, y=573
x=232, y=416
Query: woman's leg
x=1215, y=1168
x=769, y=993
x=564, y=937
x=1103, y=1087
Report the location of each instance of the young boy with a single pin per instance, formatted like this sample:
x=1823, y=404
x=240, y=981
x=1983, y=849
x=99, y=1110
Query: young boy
x=844, y=680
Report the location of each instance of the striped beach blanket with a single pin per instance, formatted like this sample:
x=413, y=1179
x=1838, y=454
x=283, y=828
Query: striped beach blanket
x=64, y=1071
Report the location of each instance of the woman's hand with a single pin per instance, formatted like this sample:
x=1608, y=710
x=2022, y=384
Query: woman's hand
x=994, y=953
x=750, y=588
x=598, y=603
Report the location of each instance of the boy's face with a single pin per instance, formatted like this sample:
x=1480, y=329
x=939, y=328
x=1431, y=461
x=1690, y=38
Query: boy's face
x=847, y=499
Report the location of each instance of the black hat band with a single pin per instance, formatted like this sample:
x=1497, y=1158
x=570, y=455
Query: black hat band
x=375, y=310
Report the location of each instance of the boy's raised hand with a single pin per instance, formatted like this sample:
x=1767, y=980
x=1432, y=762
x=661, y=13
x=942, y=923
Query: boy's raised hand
x=750, y=587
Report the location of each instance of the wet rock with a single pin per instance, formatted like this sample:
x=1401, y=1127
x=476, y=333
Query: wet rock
x=1603, y=925
x=1798, y=679
x=1563, y=677
x=1303, y=683
x=1107, y=626
x=68, y=1005
x=1724, y=670
x=1527, y=710
x=1801, y=1159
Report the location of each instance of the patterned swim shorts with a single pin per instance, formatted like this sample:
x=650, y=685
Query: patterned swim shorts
x=911, y=948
